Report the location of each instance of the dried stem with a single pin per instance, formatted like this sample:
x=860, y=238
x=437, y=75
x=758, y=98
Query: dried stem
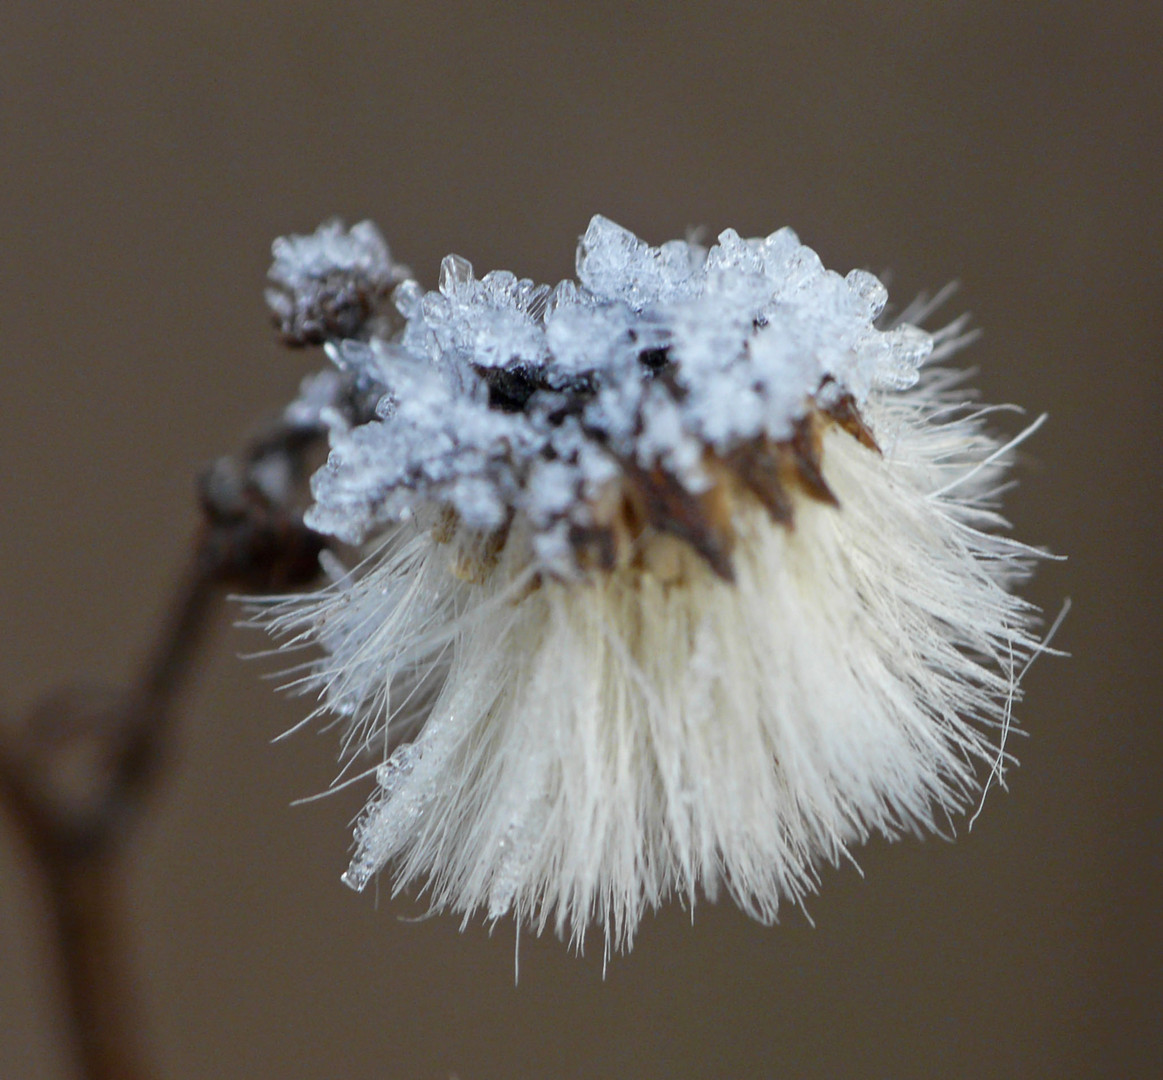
x=76, y=773
x=75, y=776
x=86, y=901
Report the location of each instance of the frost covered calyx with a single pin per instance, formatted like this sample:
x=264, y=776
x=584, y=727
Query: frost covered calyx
x=327, y=285
x=591, y=413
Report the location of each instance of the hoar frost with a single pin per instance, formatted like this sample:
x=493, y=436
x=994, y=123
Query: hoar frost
x=680, y=578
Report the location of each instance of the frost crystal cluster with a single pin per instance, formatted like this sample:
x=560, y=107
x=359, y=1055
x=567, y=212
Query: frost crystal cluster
x=680, y=578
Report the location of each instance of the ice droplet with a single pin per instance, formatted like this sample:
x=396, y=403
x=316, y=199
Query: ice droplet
x=870, y=291
x=387, y=819
x=455, y=271
x=908, y=348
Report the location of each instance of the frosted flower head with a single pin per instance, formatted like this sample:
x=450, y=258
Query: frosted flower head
x=679, y=578
x=326, y=285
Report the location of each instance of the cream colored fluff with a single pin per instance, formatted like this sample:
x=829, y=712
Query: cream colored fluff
x=574, y=752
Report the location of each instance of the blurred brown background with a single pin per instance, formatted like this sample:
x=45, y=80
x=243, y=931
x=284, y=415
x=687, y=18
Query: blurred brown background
x=152, y=151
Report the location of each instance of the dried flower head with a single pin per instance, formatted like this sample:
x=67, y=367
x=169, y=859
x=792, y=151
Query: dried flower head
x=681, y=578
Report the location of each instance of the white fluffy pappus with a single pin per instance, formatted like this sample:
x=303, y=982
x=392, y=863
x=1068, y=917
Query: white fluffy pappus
x=667, y=672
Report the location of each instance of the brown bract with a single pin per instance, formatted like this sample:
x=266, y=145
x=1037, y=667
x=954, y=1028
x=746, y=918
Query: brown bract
x=647, y=520
x=636, y=522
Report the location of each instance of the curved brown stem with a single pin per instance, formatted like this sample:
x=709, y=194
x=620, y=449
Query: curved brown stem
x=74, y=776
x=85, y=899
x=76, y=772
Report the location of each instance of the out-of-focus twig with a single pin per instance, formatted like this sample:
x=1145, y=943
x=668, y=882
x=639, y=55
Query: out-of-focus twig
x=76, y=772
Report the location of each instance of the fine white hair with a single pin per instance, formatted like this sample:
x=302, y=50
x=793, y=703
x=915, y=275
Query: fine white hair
x=570, y=743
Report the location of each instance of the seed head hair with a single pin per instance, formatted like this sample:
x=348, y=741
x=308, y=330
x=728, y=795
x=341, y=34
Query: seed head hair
x=683, y=578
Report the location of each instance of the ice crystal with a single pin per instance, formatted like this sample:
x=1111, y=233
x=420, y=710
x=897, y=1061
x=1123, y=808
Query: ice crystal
x=682, y=577
x=325, y=285
x=659, y=355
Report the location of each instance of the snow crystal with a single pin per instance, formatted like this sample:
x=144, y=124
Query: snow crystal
x=326, y=285
x=500, y=397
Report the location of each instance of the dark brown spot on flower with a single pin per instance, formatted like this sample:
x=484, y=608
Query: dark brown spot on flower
x=844, y=411
x=660, y=500
x=756, y=464
x=594, y=546
x=802, y=459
